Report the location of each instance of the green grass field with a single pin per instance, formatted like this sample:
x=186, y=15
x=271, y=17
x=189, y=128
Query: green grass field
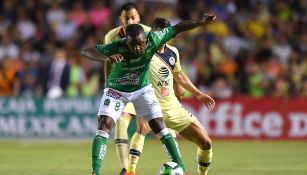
x=230, y=158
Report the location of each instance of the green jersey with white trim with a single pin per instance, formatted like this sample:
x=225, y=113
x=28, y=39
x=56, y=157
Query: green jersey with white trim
x=132, y=73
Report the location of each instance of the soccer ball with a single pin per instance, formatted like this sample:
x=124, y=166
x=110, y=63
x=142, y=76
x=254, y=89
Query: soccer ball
x=170, y=168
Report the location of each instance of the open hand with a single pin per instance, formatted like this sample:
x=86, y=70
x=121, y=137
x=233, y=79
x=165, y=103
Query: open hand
x=206, y=99
x=116, y=58
x=209, y=18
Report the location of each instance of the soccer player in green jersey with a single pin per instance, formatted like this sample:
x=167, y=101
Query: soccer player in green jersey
x=128, y=14
x=164, y=69
x=129, y=82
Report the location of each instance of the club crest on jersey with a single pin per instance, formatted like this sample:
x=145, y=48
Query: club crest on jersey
x=113, y=94
x=172, y=60
x=164, y=91
x=147, y=54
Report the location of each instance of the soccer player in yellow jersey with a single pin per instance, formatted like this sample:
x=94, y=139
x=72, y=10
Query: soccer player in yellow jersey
x=128, y=15
x=164, y=69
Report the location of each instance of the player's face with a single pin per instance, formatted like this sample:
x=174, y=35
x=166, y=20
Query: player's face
x=129, y=17
x=137, y=44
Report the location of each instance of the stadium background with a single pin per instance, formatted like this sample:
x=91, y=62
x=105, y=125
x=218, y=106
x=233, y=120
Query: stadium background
x=253, y=61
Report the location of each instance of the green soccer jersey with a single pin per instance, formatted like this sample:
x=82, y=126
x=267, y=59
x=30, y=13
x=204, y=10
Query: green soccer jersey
x=132, y=73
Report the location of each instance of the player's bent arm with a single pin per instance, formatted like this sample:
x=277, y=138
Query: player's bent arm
x=191, y=24
x=186, y=83
x=179, y=90
x=93, y=54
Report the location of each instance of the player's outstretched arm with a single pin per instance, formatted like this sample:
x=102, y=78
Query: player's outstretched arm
x=186, y=83
x=93, y=54
x=191, y=24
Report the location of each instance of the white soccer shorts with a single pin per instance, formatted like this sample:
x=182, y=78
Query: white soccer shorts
x=144, y=100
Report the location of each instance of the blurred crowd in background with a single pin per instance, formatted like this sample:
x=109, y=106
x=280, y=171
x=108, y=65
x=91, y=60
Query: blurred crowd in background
x=256, y=47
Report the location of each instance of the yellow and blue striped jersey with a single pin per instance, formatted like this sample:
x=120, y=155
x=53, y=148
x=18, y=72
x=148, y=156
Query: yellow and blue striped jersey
x=161, y=71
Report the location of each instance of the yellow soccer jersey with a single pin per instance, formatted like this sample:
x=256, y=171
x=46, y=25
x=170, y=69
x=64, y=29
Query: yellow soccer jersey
x=118, y=33
x=161, y=70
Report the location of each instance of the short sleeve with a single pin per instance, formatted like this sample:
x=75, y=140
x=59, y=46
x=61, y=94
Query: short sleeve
x=108, y=49
x=161, y=37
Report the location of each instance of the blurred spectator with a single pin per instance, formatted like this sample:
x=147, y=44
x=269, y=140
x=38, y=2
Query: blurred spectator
x=58, y=75
x=78, y=15
x=99, y=13
x=4, y=24
x=8, y=10
x=28, y=78
x=8, y=48
x=26, y=27
x=8, y=81
x=221, y=89
x=283, y=50
x=256, y=80
x=281, y=88
x=55, y=14
x=65, y=29
x=76, y=76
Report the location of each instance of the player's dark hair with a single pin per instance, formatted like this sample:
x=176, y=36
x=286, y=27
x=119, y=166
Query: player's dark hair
x=127, y=6
x=160, y=23
x=133, y=30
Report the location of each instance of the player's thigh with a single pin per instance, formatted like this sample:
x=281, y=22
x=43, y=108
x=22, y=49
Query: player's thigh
x=111, y=106
x=197, y=134
x=178, y=118
x=147, y=105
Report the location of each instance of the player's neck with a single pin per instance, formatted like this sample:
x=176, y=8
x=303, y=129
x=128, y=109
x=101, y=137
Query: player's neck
x=162, y=49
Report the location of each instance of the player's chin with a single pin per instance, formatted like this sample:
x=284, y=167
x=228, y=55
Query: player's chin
x=139, y=53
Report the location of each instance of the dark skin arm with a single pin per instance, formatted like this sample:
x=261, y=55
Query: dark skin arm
x=93, y=54
x=107, y=70
x=191, y=24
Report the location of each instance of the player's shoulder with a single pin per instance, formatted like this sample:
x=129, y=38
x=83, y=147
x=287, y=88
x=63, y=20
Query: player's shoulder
x=114, y=31
x=145, y=27
x=174, y=49
x=112, y=35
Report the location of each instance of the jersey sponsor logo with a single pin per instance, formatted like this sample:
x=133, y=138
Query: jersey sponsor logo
x=172, y=60
x=113, y=94
x=163, y=73
x=161, y=34
x=135, y=60
x=129, y=79
x=149, y=44
x=163, y=83
x=134, y=68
